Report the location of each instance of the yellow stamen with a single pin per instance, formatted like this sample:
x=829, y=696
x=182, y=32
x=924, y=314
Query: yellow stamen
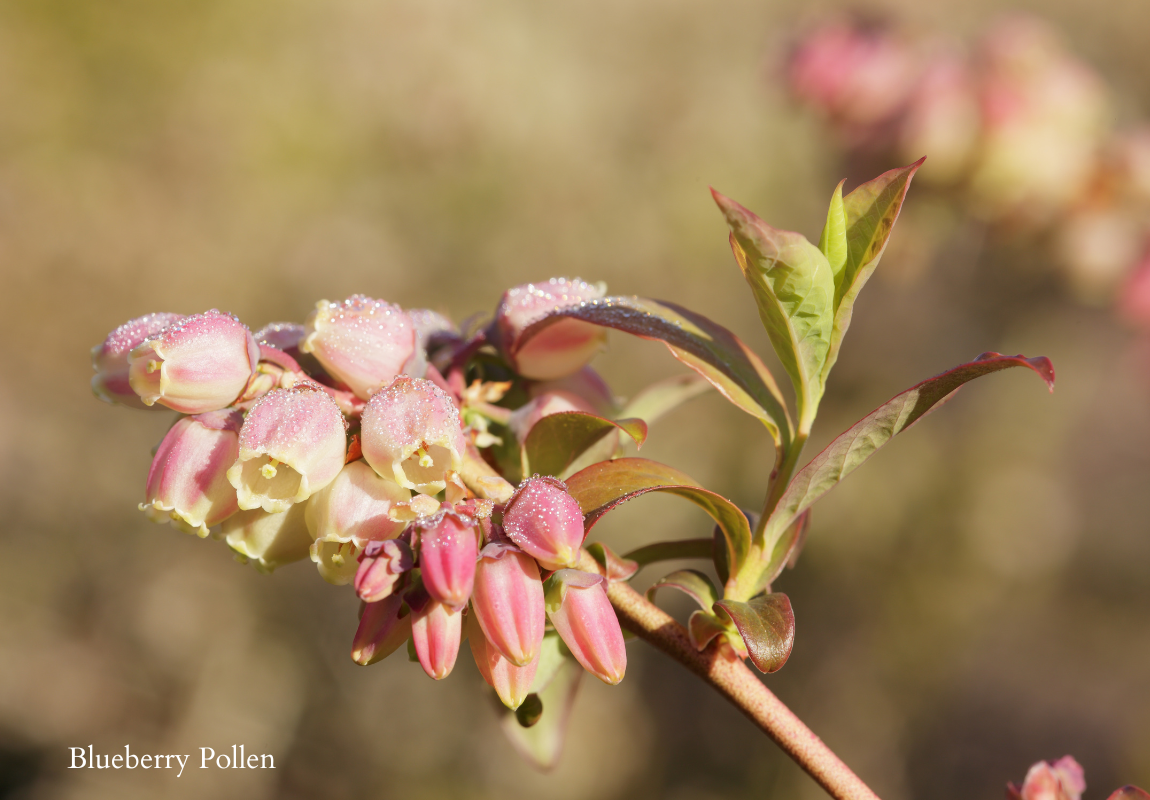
x=268, y=470
x=425, y=459
x=153, y=365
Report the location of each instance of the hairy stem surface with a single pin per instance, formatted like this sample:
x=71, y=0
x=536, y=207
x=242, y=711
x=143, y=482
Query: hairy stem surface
x=735, y=681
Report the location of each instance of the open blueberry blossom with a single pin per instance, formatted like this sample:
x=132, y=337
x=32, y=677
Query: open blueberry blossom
x=451, y=478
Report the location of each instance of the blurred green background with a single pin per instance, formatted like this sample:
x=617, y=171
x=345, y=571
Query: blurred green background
x=973, y=600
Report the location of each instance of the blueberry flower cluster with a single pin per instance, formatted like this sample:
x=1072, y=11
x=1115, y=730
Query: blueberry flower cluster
x=375, y=442
x=450, y=476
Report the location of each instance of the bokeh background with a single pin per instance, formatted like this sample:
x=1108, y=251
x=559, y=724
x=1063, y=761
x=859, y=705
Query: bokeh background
x=973, y=600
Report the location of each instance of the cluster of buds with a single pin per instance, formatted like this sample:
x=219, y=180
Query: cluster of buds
x=364, y=440
x=1016, y=128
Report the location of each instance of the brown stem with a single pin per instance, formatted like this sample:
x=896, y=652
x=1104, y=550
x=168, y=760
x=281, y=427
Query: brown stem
x=735, y=681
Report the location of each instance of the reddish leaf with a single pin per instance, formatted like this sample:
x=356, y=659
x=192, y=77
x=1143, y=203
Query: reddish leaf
x=603, y=486
x=614, y=567
x=690, y=582
x=767, y=625
x=850, y=449
x=704, y=346
x=702, y=627
x=556, y=440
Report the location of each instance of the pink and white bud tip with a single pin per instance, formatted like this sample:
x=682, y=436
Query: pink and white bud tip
x=197, y=364
x=292, y=444
x=362, y=341
x=562, y=347
x=411, y=433
x=545, y=521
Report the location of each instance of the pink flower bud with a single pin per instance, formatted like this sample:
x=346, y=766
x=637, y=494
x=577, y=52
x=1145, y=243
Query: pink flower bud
x=356, y=507
x=362, y=342
x=448, y=548
x=436, y=630
x=411, y=432
x=292, y=445
x=545, y=521
x=510, y=682
x=188, y=483
x=268, y=540
x=563, y=347
x=337, y=562
x=200, y=363
x=110, y=359
x=1058, y=780
x=381, y=567
x=582, y=615
x=381, y=631
x=508, y=602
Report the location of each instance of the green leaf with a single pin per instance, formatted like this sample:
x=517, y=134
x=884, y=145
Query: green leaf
x=767, y=625
x=786, y=550
x=856, y=445
x=794, y=288
x=542, y=743
x=833, y=242
x=690, y=582
x=663, y=396
x=603, y=486
x=703, y=345
x=556, y=440
x=870, y=211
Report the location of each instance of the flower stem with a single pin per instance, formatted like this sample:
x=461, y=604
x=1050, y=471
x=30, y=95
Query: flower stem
x=782, y=478
x=735, y=681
